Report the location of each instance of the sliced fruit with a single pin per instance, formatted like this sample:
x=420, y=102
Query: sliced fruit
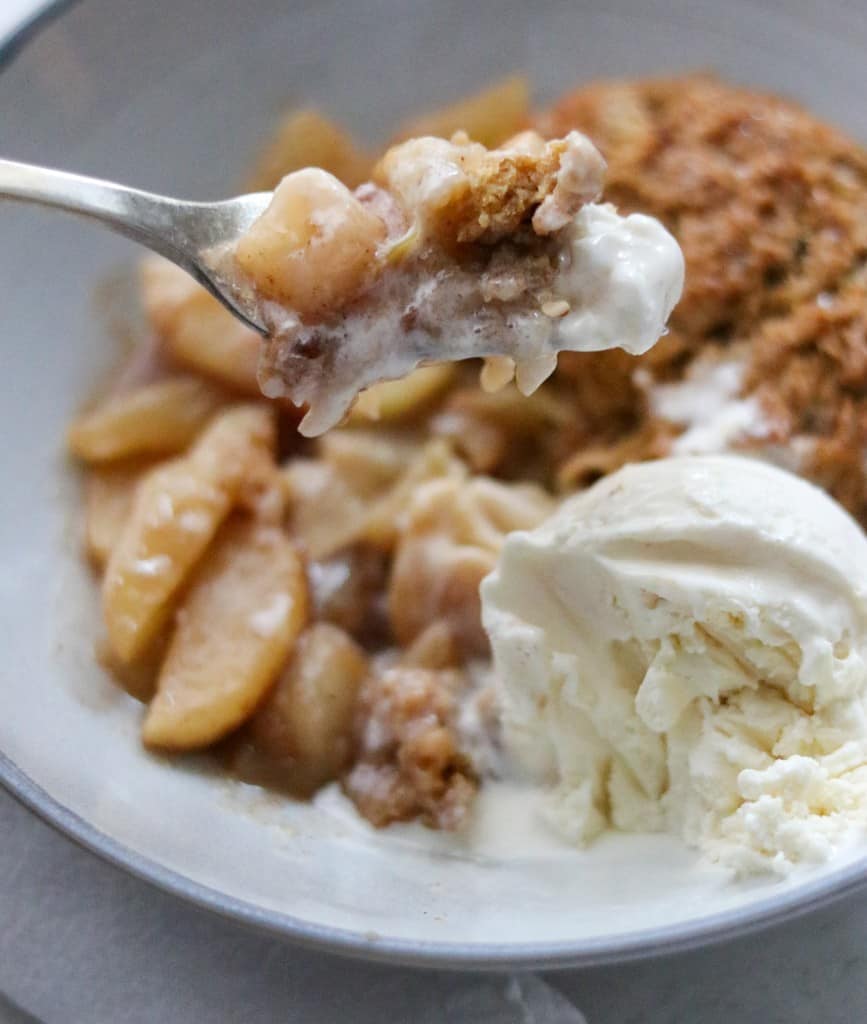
x=178, y=508
x=237, y=626
x=157, y=419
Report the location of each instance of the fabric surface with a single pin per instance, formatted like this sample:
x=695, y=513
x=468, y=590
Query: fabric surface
x=82, y=943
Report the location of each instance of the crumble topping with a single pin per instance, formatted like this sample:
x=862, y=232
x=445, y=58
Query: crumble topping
x=769, y=205
x=409, y=762
x=458, y=192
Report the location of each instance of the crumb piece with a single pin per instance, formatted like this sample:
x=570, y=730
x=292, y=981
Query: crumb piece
x=462, y=192
x=496, y=373
x=410, y=763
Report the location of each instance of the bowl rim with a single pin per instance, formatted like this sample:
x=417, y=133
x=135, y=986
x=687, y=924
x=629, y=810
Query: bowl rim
x=643, y=944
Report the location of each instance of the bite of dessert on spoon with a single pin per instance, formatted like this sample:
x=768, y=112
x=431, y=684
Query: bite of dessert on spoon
x=452, y=251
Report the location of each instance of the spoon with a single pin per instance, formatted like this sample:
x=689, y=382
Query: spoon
x=189, y=234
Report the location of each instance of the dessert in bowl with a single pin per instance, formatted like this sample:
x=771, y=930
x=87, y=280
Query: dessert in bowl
x=342, y=573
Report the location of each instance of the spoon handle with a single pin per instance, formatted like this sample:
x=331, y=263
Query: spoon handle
x=183, y=231
x=160, y=223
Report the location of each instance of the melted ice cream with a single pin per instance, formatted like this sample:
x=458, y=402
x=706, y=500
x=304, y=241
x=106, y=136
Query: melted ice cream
x=609, y=281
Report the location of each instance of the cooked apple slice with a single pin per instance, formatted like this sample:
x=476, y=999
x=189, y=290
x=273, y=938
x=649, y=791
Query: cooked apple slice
x=161, y=418
x=304, y=138
x=301, y=735
x=196, y=330
x=138, y=678
x=291, y=258
x=109, y=492
x=490, y=116
x=178, y=508
x=234, y=632
x=397, y=399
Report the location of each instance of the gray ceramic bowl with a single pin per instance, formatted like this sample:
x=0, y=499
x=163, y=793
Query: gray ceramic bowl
x=173, y=95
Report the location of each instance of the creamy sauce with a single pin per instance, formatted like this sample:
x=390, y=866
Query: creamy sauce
x=707, y=403
x=505, y=823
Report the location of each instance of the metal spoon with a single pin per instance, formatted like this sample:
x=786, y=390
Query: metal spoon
x=187, y=233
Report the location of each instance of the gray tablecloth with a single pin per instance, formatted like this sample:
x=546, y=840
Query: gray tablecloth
x=81, y=942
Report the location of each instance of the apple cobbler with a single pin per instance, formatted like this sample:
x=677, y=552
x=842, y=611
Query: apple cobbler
x=308, y=607
x=452, y=251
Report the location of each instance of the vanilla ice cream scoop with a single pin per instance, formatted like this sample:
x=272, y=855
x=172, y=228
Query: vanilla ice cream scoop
x=684, y=647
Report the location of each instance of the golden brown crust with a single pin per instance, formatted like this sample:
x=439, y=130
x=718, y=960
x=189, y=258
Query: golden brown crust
x=504, y=190
x=491, y=194
x=770, y=207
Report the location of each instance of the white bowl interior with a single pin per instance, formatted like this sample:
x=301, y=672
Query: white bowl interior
x=173, y=96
